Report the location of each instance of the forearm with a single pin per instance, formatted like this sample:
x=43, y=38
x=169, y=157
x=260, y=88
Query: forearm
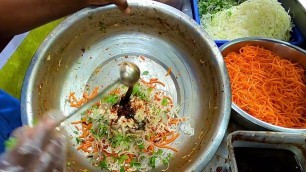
x=17, y=16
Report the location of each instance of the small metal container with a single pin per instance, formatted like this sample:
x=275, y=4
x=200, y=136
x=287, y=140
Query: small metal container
x=284, y=50
x=292, y=142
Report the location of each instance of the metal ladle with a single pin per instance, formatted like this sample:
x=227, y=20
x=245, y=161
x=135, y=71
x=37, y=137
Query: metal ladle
x=129, y=76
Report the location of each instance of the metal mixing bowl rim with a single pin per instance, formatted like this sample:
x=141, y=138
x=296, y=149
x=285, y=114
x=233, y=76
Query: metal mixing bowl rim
x=218, y=135
x=247, y=115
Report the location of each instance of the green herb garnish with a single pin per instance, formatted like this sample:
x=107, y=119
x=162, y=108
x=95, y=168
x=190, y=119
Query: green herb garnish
x=164, y=102
x=78, y=140
x=214, y=6
x=166, y=160
x=103, y=164
x=141, y=146
x=112, y=99
x=152, y=161
x=159, y=152
x=139, y=93
x=122, y=159
x=135, y=164
x=145, y=72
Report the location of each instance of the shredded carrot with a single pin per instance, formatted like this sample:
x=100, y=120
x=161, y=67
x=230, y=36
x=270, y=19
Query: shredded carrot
x=170, y=99
x=157, y=98
x=142, y=58
x=151, y=85
x=158, y=82
x=169, y=71
x=77, y=128
x=152, y=82
x=77, y=122
x=75, y=103
x=165, y=142
x=268, y=87
x=143, y=81
x=153, y=79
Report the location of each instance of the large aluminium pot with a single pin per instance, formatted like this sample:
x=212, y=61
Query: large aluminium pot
x=87, y=46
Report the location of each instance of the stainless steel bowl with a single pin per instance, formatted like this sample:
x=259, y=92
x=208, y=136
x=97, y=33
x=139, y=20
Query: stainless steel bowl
x=87, y=47
x=284, y=50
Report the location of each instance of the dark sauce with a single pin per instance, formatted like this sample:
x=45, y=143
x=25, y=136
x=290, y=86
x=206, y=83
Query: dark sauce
x=266, y=160
x=124, y=110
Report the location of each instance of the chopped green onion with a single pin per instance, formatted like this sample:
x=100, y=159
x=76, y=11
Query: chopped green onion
x=112, y=99
x=78, y=140
x=159, y=152
x=145, y=72
x=122, y=158
x=152, y=161
x=164, y=102
x=103, y=164
x=141, y=146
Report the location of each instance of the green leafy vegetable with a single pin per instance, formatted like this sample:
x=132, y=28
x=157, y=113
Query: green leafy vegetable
x=112, y=99
x=214, y=6
x=159, y=152
x=100, y=131
x=145, y=72
x=141, y=146
x=152, y=161
x=78, y=140
x=135, y=164
x=103, y=164
x=164, y=102
x=75, y=132
x=116, y=139
x=166, y=160
x=136, y=89
x=139, y=93
x=122, y=159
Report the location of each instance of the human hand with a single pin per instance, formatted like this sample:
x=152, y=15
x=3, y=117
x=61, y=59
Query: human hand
x=122, y=4
x=37, y=149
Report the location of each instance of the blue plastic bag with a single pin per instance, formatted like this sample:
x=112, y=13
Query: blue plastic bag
x=10, y=117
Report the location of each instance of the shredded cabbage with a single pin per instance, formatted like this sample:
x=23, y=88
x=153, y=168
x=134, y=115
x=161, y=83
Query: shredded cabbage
x=266, y=18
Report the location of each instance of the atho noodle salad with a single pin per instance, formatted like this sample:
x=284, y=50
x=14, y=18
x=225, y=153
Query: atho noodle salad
x=133, y=137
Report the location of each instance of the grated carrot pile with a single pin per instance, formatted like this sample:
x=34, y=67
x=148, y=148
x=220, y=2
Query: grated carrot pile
x=268, y=87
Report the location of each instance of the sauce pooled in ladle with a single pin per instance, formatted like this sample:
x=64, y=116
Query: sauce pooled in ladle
x=129, y=76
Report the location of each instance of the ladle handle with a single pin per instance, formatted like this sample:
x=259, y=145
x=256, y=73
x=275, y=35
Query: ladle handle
x=126, y=97
x=90, y=103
